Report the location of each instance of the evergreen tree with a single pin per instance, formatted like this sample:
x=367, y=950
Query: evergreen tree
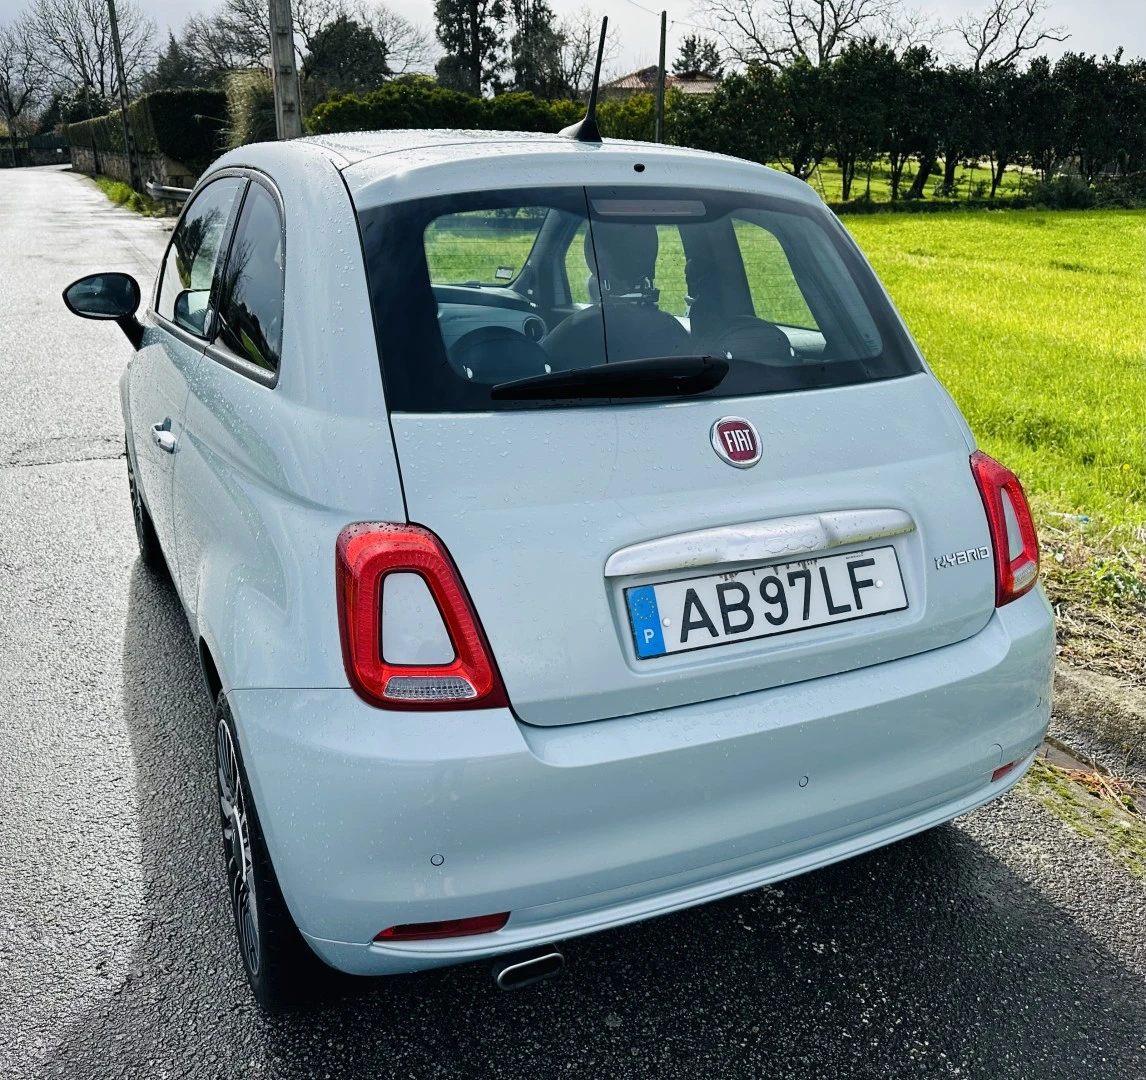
x=535, y=49
x=175, y=69
x=698, y=54
x=855, y=106
x=471, y=32
x=344, y=55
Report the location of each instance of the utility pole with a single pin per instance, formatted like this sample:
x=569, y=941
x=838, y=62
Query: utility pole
x=660, y=132
x=284, y=74
x=124, y=101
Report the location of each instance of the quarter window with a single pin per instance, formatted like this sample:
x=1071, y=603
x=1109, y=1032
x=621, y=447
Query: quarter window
x=776, y=295
x=481, y=247
x=251, y=288
x=189, y=267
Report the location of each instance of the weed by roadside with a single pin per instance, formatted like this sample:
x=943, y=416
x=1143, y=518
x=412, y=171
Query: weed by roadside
x=1115, y=821
x=1095, y=577
x=122, y=195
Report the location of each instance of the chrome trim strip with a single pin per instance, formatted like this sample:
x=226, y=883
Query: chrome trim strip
x=757, y=541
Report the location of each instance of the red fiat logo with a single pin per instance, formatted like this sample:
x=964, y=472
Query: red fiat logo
x=736, y=441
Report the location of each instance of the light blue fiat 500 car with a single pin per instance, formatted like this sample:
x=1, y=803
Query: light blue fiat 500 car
x=571, y=532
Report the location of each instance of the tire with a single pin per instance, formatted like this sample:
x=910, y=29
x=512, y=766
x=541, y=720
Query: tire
x=283, y=972
x=149, y=550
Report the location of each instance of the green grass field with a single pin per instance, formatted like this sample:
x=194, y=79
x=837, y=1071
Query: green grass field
x=1033, y=320
x=1035, y=323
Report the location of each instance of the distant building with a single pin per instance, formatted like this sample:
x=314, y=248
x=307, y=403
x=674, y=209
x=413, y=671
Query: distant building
x=644, y=81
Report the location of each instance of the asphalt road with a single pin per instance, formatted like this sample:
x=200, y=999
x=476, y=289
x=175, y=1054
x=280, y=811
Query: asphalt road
x=1003, y=945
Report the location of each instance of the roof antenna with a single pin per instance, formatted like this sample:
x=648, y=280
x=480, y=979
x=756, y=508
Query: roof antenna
x=586, y=130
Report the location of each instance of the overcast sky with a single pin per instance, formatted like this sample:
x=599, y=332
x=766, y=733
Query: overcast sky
x=1095, y=26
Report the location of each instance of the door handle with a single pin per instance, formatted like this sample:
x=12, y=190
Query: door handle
x=163, y=438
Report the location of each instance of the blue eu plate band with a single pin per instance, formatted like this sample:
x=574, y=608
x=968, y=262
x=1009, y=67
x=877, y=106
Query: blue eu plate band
x=646, y=620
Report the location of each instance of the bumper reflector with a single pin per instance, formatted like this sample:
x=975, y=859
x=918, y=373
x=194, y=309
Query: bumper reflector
x=1002, y=770
x=447, y=928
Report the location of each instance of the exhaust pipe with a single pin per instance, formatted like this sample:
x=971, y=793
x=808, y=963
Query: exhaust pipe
x=522, y=969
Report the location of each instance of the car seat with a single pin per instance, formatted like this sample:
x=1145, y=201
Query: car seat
x=719, y=332
x=625, y=257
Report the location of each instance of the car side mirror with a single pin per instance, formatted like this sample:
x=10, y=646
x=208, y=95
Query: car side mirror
x=107, y=296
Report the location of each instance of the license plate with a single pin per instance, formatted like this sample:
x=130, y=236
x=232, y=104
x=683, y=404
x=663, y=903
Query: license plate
x=702, y=612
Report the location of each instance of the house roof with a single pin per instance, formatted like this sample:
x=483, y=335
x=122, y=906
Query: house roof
x=645, y=79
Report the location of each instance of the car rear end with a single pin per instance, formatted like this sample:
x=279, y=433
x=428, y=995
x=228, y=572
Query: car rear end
x=702, y=583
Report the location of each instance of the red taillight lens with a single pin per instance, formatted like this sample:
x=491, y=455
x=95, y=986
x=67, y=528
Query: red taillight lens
x=428, y=931
x=1017, y=546
x=366, y=553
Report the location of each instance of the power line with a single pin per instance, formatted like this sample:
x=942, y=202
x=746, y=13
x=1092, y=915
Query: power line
x=672, y=22
x=647, y=11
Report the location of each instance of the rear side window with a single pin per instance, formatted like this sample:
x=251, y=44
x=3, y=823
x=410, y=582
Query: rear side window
x=776, y=294
x=191, y=260
x=481, y=247
x=251, y=287
x=478, y=289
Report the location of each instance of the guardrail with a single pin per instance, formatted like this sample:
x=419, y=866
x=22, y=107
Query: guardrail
x=171, y=194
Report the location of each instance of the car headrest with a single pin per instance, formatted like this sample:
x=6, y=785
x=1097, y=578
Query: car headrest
x=625, y=256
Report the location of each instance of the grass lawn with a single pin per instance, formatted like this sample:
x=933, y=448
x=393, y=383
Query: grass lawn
x=1035, y=323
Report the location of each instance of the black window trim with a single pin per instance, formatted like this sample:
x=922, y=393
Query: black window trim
x=215, y=349
x=177, y=331
x=208, y=344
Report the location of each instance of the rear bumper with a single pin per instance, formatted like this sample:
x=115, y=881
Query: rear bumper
x=574, y=829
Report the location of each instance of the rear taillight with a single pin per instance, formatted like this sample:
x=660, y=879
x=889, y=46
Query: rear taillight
x=1012, y=528
x=422, y=674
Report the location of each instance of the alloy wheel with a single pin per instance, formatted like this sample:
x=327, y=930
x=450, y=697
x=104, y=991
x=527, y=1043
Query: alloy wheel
x=237, y=846
x=136, y=504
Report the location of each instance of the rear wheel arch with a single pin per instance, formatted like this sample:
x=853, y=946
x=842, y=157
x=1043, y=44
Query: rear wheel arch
x=210, y=670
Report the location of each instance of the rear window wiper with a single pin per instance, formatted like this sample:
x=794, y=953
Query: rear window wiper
x=653, y=376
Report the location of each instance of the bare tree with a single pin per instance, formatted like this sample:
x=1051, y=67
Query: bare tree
x=776, y=32
x=999, y=34
x=410, y=48
x=579, y=34
x=217, y=45
x=21, y=78
x=72, y=39
x=238, y=35
x=906, y=28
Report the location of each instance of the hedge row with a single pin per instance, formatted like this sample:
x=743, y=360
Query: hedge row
x=398, y=105
x=184, y=125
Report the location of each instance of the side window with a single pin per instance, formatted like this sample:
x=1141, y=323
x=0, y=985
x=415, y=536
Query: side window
x=251, y=289
x=481, y=247
x=577, y=269
x=776, y=296
x=189, y=267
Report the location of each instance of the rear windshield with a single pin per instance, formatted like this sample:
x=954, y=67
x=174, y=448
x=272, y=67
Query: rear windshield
x=482, y=288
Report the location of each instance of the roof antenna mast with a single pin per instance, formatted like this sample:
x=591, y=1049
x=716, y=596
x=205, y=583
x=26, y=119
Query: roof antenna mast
x=586, y=130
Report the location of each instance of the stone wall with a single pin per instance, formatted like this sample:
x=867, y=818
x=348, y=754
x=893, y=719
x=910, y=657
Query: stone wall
x=115, y=164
